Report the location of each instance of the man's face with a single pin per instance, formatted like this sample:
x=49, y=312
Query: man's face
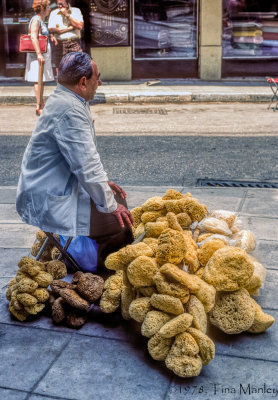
x=62, y=4
x=93, y=83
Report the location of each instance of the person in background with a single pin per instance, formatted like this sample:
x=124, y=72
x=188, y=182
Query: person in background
x=63, y=187
x=65, y=23
x=36, y=27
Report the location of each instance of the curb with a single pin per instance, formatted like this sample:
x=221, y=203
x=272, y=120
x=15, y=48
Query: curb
x=150, y=97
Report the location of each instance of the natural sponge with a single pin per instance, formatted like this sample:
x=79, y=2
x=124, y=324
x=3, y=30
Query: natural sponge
x=262, y=320
x=234, y=312
x=228, y=269
x=141, y=271
x=206, y=345
x=168, y=304
x=111, y=297
x=171, y=247
x=176, y=325
x=139, y=308
x=159, y=347
x=172, y=288
x=90, y=286
x=196, y=309
x=208, y=249
x=57, y=269
x=120, y=259
x=153, y=321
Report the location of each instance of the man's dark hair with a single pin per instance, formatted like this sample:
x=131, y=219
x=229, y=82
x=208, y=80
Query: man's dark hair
x=73, y=67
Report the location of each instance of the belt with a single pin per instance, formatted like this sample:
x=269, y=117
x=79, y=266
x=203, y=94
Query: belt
x=69, y=40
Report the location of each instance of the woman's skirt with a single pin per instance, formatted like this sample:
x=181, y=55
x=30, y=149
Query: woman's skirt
x=32, y=67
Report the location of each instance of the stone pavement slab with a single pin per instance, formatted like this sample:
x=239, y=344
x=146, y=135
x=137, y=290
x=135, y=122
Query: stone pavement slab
x=267, y=252
x=12, y=394
x=256, y=346
x=7, y=194
x=264, y=228
x=229, y=378
x=102, y=370
x=9, y=259
x=27, y=355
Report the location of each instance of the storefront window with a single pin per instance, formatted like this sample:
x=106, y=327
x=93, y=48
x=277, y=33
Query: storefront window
x=109, y=23
x=250, y=28
x=165, y=29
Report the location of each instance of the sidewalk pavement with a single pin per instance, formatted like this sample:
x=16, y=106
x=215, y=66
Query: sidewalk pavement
x=107, y=358
x=159, y=91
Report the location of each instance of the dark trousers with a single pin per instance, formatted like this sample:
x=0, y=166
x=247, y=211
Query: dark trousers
x=107, y=232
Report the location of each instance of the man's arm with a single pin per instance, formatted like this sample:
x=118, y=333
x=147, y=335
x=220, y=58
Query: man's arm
x=75, y=140
x=75, y=20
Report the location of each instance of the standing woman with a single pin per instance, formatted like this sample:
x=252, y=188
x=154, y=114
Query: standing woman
x=37, y=27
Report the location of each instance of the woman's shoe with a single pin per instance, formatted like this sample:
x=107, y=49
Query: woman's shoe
x=38, y=112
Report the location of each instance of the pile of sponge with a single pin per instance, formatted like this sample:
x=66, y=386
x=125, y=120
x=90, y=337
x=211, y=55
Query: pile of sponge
x=27, y=292
x=189, y=265
x=71, y=302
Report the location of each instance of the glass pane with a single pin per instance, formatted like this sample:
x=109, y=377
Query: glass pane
x=109, y=23
x=250, y=28
x=165, y=28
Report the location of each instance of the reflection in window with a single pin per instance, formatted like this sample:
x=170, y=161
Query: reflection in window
x=250, y=28
x=109, y=22
x=164, y=28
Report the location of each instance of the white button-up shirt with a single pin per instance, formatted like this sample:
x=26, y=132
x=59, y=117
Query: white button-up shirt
x=58, y=20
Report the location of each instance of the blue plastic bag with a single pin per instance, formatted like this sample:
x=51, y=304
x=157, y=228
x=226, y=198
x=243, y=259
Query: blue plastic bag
x=84, y=250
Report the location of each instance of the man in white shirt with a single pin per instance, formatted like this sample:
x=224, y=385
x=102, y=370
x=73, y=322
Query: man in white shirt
x=65, y=23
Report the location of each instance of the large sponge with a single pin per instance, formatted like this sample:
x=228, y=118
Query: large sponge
x=171, y=247
x=141, y=271
x=234, y=312
x=228, y=269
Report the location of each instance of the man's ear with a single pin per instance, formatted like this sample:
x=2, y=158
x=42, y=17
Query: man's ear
x=83, y=82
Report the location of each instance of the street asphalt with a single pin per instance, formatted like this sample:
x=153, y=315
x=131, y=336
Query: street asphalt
x=166, y=160
x=107, y=358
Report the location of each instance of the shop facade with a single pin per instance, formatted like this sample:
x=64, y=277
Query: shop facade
x=133, y=39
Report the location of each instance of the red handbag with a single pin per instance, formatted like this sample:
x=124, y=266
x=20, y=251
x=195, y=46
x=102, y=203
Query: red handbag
x=26, y=44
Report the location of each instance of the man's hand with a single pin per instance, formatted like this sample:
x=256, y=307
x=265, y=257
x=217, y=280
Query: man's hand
x=64, y=11
x=117, y=189
x=123, y=215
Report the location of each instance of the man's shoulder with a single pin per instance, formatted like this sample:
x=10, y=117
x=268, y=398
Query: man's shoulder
x=54, y=12
x=65, y=104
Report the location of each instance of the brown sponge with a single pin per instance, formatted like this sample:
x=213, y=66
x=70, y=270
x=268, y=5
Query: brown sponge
x=73, y=299
x=172, y=194
x=90, y=286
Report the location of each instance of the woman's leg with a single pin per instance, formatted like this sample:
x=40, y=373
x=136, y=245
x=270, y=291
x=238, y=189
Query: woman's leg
x=37, y=94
